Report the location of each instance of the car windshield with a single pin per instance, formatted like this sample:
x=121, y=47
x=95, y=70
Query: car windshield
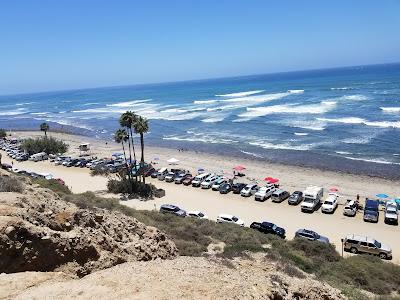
x=201, y=215
x=377, y=244
x=328, y=202
x=235, y=219
x=308, y=200
x=274, y=227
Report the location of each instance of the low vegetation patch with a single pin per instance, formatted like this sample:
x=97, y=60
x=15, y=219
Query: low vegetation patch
x=11, y=184
x=44, y=144
x=135, y=189
x=53, y=185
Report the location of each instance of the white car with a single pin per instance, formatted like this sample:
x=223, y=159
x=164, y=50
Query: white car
x=249, y=190
x=224, y=218
x=197, y=214
x=210, y=180
x=330, y=204
x=264, y=193
x=391, y=213
x=199, y=179
x=218, y=183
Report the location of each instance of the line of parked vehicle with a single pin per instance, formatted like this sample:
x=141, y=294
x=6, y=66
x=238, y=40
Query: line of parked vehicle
x=310, y=200
x=351, y=243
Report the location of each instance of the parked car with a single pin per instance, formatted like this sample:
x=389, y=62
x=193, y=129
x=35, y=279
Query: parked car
x=311, y=236
x=371, y=211
x=225, y=188
x=218, y=183
x=267, y=227
x=249, y=190
x=197, y=214
x=149, y=171
x=172, y=209
x=312, y=198
x=170, y=177
x=181, y=177
x=238, y=187
x=188, y=180
x=224, y=218
x=162, y=173
x=363, y=244
x=330, y=204
x=279, y=195
x=154, y=174
x=295, y=198
x=209, y=181
x=199, y=179
x=391, y=213
x=264, y=193
x=350, y=209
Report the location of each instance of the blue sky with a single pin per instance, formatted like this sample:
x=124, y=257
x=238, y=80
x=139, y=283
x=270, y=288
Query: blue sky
x=65, y=44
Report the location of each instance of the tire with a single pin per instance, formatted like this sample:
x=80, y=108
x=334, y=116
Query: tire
x=382, y=255
x=353, y=250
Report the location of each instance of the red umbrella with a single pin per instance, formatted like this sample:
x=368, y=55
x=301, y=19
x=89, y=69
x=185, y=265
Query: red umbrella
x=239, y=168
x=268, y=179
x=333, y=189
x=274, y=180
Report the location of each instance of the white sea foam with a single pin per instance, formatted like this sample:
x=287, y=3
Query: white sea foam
x=206, y=101
x=390, y=109
x=24, y=103
x=40, y=113
x=129, y=103
x=315, y=125
x=355, y=97
x=301, y=133
x=282, y=146
x=202, y=139
x=91, y=103
x=374, y=160
x=15, y=112
x=320, y=108
x=251, y=154
x=358, y=140
x=342, y=88
x=213, y=119
x=244, y=101
x=349, y=120
x=383, y=124
x=296, y=91
x=240, y=94
x=343, y=152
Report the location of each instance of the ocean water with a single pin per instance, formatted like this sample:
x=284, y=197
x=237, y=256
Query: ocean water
x=344, y=119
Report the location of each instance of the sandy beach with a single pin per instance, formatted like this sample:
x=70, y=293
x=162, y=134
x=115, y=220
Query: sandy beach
x=212, y=203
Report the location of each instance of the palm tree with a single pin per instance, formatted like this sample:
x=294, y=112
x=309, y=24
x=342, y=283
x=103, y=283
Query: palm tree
x=44, y=127
x=121, y=136
x=141, y=127
x=127, y=120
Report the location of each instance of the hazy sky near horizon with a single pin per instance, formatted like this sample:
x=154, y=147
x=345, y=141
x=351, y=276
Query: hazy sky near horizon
x=67, y=44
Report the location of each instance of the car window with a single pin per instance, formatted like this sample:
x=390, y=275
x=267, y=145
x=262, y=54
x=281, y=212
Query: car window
x=364, y=244
x=235, y=219
x=377, y=244
x=371, y=245
x=352, y=241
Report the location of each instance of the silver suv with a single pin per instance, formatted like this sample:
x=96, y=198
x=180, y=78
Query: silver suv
x=363, y=244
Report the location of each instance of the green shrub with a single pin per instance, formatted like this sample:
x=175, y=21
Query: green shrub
x=3, y=133
x=53, y=185
x=44, y=144
x=11, y=184
x=131, y=187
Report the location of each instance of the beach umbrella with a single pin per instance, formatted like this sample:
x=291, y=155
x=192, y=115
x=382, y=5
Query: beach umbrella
x=267, y=178
x=117, y=154
x=156, y=158
x=274, y=180
x=239, y=168
x=173, y=161
x=333, y=189
x=383, y=196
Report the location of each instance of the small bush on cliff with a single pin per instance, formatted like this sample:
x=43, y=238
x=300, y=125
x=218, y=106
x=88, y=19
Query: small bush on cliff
x=3, y=133
x=132, y=188
x=44, y=144
x=11, y=184
x=53, y=185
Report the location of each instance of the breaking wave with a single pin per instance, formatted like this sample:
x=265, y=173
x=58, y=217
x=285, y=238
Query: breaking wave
x=301, y=133
x=390, y=109
x=283, y=146
x=241, y=94
x=321, y=108
x=378, y=161
x=355, y=120
x=128, y=103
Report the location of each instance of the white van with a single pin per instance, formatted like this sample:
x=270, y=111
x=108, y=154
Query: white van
x=199, y=179
x=312, y=197
x=39, y=156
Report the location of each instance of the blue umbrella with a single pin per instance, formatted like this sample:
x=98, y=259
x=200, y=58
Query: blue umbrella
x=200, y=170
x=384, y=196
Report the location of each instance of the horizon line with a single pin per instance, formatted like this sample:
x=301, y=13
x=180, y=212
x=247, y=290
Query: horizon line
x=197, y=80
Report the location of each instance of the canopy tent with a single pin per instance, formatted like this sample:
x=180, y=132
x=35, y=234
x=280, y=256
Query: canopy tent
x=117, y=154
x=271, y=180
x=382, y=196
x=239, y=168
x=333, y=189
x=173, y=161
